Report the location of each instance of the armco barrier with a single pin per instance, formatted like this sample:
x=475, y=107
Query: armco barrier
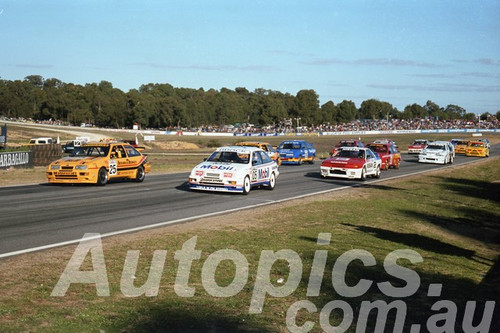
x=43, y=155
x=18, y=159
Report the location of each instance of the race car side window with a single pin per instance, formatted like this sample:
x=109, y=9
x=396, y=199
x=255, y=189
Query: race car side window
x=131, y=151
x=265, y=157
x=256, y=159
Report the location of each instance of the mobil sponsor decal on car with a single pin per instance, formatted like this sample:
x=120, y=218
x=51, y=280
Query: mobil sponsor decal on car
x=217, y=167
x=263, y=173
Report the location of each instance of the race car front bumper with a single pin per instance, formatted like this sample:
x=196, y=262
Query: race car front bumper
x=431, y=159
x=341, y=172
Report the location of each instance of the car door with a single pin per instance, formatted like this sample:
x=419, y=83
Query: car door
x=304, y=151
x=257, y=165
x=118, y=162
x=370, y=161
x=312, y=150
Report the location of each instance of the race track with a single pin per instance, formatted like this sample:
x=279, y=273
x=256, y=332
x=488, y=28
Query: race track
x=37, y=216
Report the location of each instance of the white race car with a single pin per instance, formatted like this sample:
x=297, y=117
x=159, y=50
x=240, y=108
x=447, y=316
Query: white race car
x=235, y=169
x=439, y=152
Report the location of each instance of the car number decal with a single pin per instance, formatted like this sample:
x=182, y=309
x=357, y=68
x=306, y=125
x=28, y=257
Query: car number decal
x=113, y=168
x=254, y=174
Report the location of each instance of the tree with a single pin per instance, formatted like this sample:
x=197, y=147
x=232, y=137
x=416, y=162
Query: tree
x=414, y=111
x=329, y=112
x=346, y=111
x=308, y=106
x=485, y=116
x=454, y=112
x=375, y=109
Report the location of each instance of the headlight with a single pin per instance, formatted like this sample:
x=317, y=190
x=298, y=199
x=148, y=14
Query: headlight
x=81, y=167
x=55, y=167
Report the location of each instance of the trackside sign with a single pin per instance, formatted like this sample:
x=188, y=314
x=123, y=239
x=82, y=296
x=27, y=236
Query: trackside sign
x=21, y=159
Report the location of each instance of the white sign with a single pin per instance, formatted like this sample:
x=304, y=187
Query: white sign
x=149, y=138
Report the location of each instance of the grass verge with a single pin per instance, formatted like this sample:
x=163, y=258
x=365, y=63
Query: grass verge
x=450, y=219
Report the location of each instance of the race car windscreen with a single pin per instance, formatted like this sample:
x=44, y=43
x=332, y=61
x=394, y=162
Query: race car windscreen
x=437, y=147
x=90, y=151
x=378, y=149
x=289, y=145
x=351, y=153
x=229, y=157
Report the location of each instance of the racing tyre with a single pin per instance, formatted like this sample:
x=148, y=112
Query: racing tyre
x=246, y=185
x=398, y=164
x=386, y=165
x=102, y=177
x=451, y=159
x=272, y=182
x=312, y=160
x=377, y=173
x=140, y=174
x=363, y=174
x=300, y=161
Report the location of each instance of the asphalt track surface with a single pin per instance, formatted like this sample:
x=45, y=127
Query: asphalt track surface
x=41, y=216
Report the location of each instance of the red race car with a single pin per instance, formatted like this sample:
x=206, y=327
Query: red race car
x=417, y=146
x=351, y=163
x=389, y=155
x=346, y=143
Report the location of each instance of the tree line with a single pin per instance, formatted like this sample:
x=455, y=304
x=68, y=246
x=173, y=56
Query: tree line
x=160, y=105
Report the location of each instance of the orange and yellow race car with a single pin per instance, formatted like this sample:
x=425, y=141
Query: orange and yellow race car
x=461, y=146
x=477, y=148
x=273, y=154
x=96, y=163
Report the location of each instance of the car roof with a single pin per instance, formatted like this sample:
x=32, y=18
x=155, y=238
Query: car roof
x=354, y=148
x=250, y=143
x=239, y=148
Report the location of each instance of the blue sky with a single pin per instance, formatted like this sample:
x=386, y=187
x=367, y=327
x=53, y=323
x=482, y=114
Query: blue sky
x=401, y=52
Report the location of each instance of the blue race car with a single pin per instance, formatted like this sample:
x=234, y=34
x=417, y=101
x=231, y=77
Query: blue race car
x=296, y=152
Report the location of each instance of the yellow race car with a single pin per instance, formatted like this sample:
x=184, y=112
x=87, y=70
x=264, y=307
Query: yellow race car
x=273, y=154
x=461, y=147
x=477, y=148
x=97, y=163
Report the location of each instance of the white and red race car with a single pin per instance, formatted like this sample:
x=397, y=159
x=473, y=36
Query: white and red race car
x=235, y=169
x=352, y=163
x=417, y=146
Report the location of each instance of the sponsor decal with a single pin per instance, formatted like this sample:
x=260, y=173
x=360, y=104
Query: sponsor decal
x=263, y=173
x=14, y=159
x=217, y=167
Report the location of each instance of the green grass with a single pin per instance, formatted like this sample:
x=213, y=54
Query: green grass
x=450, y=219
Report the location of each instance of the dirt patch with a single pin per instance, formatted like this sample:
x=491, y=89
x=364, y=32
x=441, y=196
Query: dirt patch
x=174, y=145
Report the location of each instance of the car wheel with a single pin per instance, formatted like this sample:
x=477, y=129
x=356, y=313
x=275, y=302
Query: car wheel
x=451, y=159
x=377, y=173
x=363, y=174
x=386, y=165
x=246, y=185
x=312, y=160
x=102, y=177
x=272, y=182
x=140, y=174
x=398, y=164
x=300, y=161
